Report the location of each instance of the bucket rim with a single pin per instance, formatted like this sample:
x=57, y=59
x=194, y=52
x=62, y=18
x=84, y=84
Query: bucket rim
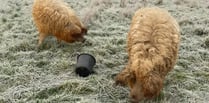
x=88, y=55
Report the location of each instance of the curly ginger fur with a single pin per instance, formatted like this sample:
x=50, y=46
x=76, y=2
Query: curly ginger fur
x=153, y=42
x=54, y=17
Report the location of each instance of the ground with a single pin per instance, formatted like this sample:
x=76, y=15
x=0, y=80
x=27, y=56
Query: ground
x=46, y=74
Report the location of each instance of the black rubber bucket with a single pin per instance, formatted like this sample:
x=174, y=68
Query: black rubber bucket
x=85, y=64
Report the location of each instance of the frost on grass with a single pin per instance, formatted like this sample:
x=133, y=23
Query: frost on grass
x=47, y=75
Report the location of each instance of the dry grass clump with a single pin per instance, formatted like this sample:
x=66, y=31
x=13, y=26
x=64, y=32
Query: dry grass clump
x=92, y=11
x=123, y=3
x=189, y=3
x=207, y=42
x=201, y=30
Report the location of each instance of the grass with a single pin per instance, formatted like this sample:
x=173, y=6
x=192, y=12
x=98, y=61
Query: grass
x=44, y=75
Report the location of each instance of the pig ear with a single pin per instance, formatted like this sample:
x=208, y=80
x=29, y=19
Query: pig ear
x=73, y=29
x=152, y=84
x=68, y=25
x=131, y=79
